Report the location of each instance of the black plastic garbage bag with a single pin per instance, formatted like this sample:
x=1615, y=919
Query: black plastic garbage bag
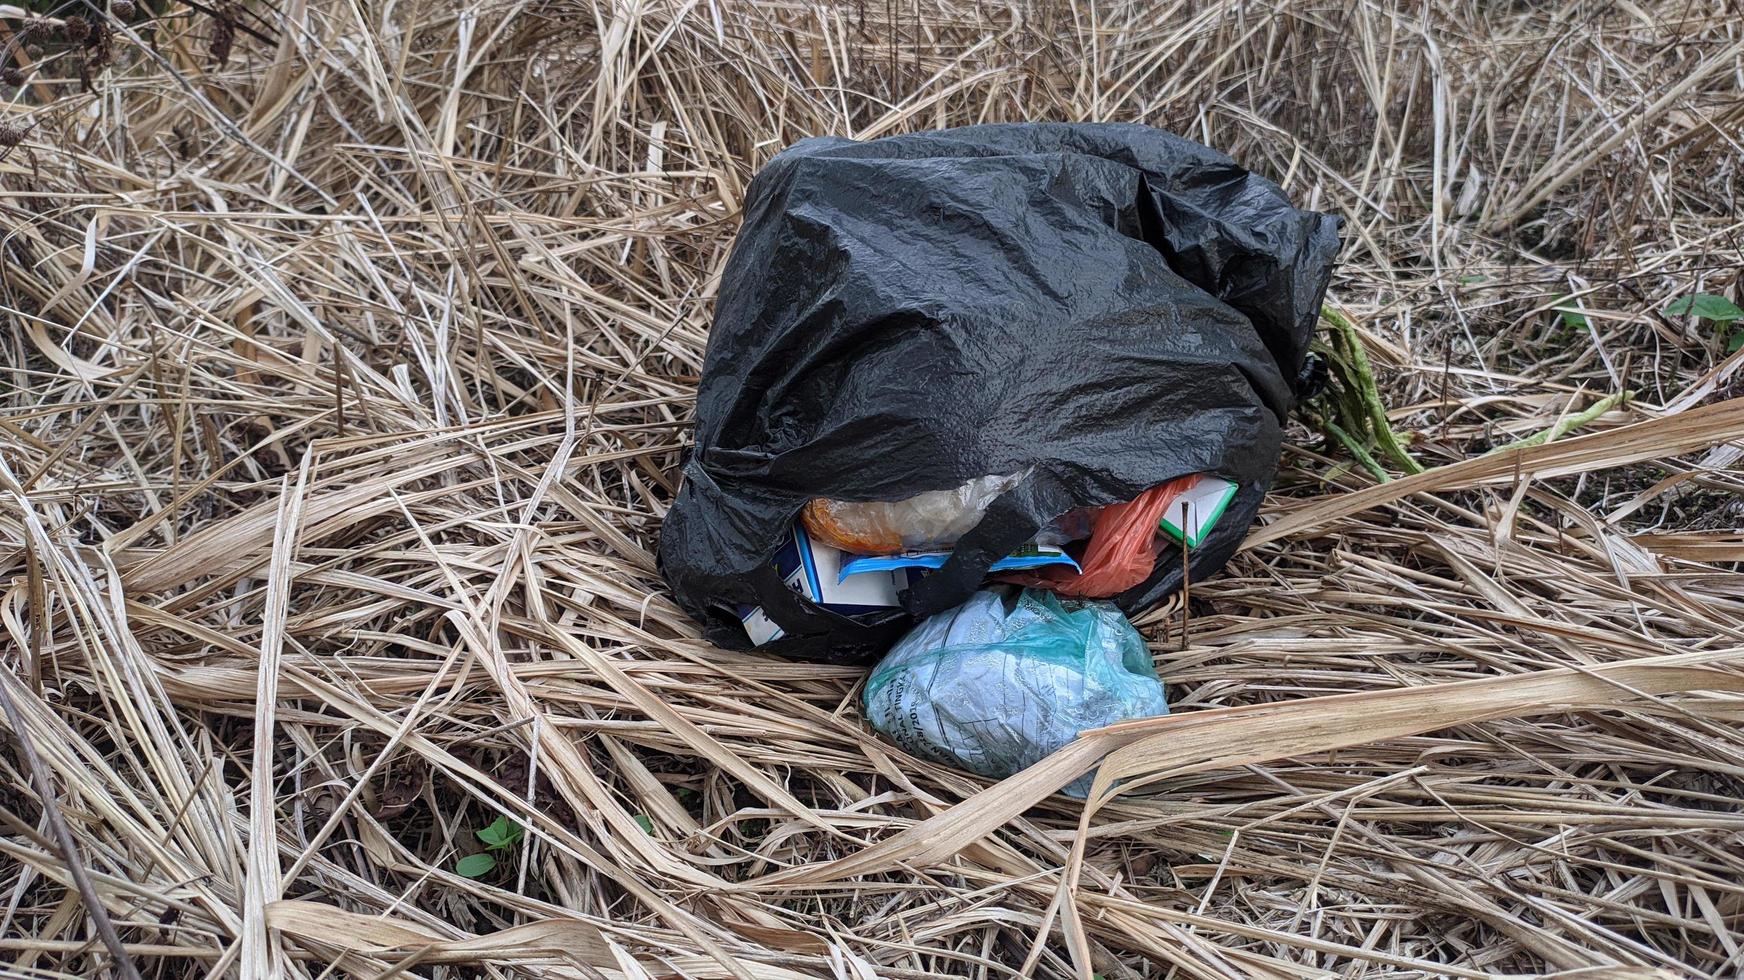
x=1101, y=308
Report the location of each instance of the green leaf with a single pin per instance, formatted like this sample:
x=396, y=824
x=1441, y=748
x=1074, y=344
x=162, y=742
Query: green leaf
x=1472, y=280
x=475, y=865
x=646, y=824
x=1571, y=317
x=1707, y=306
x=1735, y=341
x=500, y=834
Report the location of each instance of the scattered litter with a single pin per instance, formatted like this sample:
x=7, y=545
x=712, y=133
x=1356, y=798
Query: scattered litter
x=815, y=570
x=1073, y=525
x=923, y=522
x=1206, y=499
x=1124, y=539
x=1032, y=556
x=1001, y=681
x=1122, y=549
x=935, y=350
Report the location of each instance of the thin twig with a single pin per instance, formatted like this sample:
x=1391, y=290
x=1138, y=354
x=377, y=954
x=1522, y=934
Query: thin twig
x=123, y=963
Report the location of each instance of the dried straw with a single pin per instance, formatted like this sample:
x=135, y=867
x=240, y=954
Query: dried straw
x=344, y=384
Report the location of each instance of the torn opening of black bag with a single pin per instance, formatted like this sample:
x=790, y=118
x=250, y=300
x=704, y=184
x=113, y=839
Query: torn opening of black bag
x=1102, y=308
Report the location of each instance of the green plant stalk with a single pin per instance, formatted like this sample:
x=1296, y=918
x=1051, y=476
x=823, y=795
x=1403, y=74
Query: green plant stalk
x=1568, y=423
x=1368, y=393
x=1357, y=450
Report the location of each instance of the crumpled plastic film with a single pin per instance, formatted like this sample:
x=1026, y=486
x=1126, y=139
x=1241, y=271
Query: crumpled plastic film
x=1008, y=677
x=1101, y=308
x=928, y=521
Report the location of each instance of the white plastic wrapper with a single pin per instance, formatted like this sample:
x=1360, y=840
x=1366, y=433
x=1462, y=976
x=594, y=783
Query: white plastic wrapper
x=1003, y=680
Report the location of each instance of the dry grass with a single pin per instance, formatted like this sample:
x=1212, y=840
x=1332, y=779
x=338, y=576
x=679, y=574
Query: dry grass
x=343, y=388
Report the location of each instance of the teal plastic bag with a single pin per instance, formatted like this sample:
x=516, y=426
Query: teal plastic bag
x=1001, y=681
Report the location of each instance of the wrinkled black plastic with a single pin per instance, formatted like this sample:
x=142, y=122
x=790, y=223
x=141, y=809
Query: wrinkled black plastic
x=1105, y=307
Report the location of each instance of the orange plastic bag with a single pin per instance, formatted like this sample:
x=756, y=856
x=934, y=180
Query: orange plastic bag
x=1122, y=549
x=928, y=521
